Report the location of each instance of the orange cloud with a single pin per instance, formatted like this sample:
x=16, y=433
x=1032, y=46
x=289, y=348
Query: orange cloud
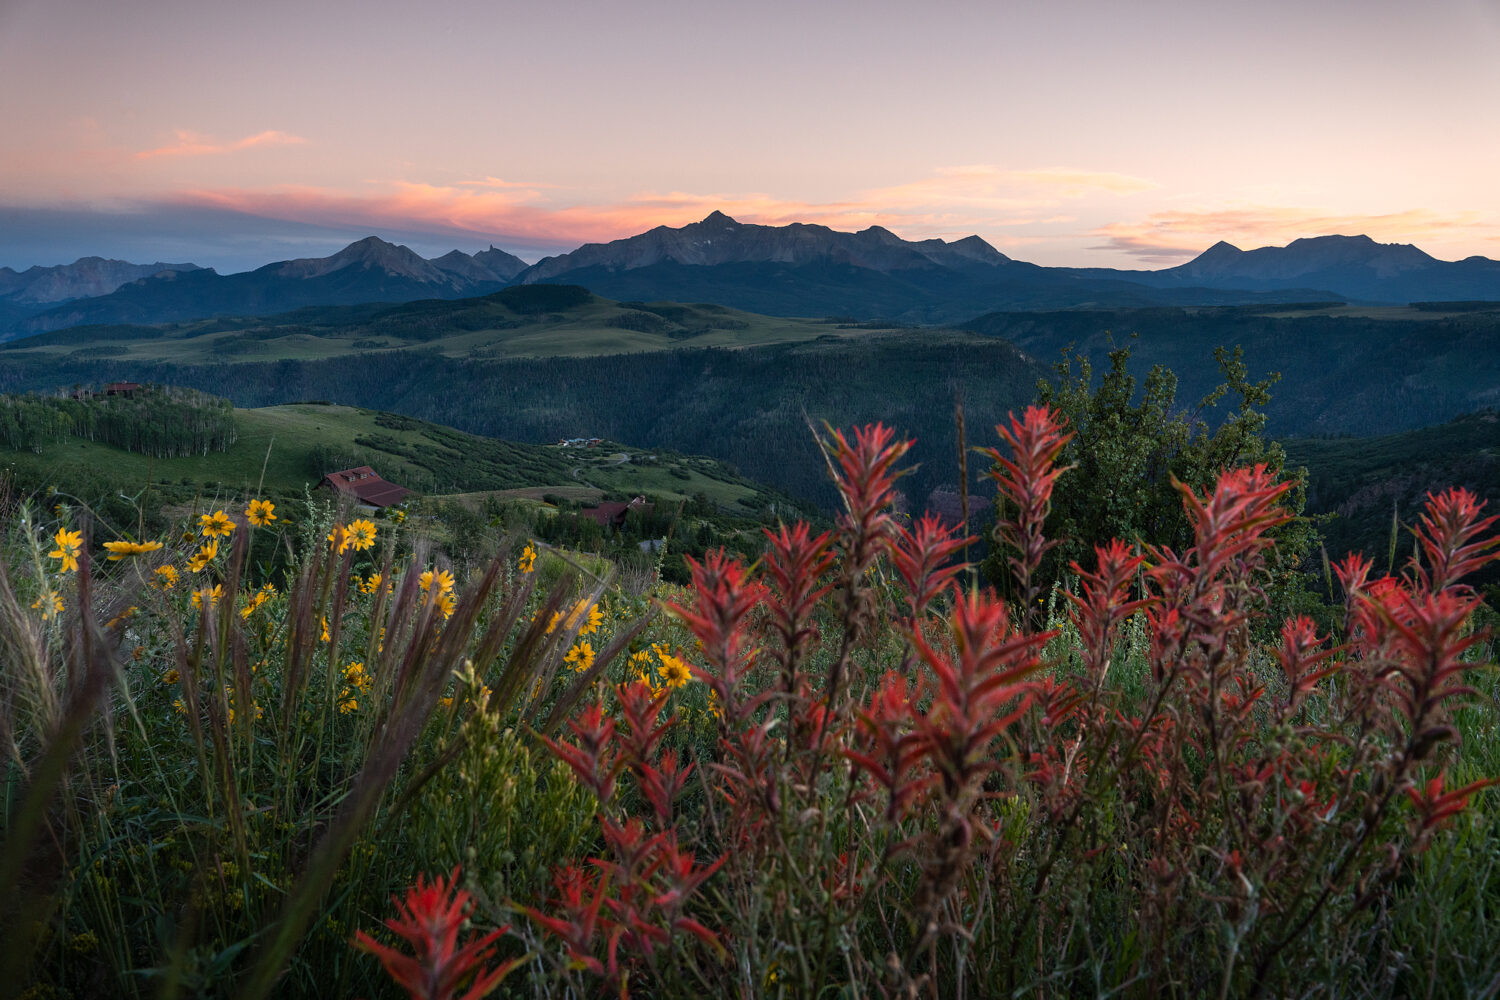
x=989, y=188
x=953, y=202
x=193, y=144
x=1172, y=237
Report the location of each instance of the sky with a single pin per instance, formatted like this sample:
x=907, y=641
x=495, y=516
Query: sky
x=1087, y=133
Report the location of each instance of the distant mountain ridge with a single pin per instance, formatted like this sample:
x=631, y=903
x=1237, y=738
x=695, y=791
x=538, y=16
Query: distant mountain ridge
x=368, y=270
x=1353, y=267
x=85, y=277
x=718, y=239
x=793, y=270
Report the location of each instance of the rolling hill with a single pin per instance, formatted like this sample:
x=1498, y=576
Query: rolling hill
x=524, y=321
x=283, y=450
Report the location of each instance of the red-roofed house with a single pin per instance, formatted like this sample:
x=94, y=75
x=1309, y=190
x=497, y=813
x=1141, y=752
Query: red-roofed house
x=366, y=487
x=613, y=513
x=126, y=389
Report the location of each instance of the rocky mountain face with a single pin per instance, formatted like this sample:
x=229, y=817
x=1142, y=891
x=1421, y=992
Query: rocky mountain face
x=85, y=277
x=718, y=239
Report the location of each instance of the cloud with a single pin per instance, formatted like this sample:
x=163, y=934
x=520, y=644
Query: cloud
x=953, y=201
x=1174, y=236
x=989, y=188
x=193, y=144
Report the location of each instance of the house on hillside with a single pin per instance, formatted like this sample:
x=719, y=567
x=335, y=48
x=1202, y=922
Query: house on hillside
x=613, y=513
x=126, y=389
x=366, y=487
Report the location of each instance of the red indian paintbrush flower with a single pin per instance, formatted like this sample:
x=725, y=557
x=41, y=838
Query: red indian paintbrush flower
x=430, y=918
x=1026, y=481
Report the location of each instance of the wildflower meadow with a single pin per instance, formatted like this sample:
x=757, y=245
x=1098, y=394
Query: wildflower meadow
x=278, y=752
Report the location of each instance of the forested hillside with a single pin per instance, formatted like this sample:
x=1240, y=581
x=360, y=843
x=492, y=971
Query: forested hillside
x=751, y=407
x=1344, y=370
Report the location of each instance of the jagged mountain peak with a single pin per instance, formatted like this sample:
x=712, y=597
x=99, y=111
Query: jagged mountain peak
x=371, y=253
x=719, y=240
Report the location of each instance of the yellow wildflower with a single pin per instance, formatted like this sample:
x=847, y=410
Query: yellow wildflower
x=166, y=577
x=356, y=676
x=447, y=604
x=326, y=636
x=255, y=600
x=181, y=708
x=339, y=539
x=171, y=676
x=397, y=516
x=50, y=604
x=259, y=513
x=348, y=703
x=441, y=579
x=122, y=617
x=528, y=559
x=68, y=543
x=371, y=585
x=674, y=672
x=213, y=594
x=204, y=556
x=360, y=534
x=582, y=611
x=119, y=550
x=580, y=656
x=215, y=525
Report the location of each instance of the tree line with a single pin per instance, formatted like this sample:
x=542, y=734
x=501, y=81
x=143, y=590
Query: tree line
x=160, y=421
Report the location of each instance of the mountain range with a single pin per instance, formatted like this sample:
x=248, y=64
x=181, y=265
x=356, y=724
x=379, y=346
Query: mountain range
x=792, y=270
x=368, y=270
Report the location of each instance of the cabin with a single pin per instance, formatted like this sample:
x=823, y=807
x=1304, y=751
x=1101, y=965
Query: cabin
x=613, y=513
x=126, y=389
x=366, y=487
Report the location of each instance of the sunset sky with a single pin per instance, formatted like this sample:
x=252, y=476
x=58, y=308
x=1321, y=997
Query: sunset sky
x=1077, y=132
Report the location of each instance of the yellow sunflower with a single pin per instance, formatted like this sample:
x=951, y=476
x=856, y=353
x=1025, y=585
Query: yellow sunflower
x=204, y=556
x=361, y=534
x=213, y=594
x=674, y=672
x=580, y=656
x=50, y=604
x=119, y=550
x=260, y=513
x=215, y=525
x=68, y=544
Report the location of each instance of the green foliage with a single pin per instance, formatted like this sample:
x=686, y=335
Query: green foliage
x=1361, y=483
x=159, y=421
x=1132, y=447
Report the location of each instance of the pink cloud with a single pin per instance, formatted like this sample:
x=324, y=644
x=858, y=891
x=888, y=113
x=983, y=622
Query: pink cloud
x=954, y=201
x=1172, y=237
x=193, y=144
